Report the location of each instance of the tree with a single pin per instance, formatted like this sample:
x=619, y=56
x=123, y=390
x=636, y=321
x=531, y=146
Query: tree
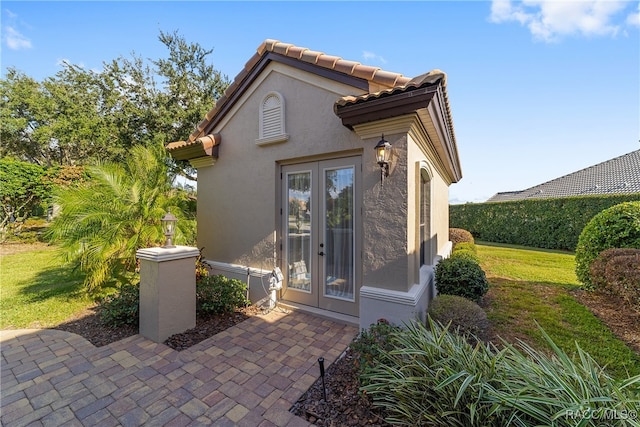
x=23, y=187
x=104, y=222
x=82, y=116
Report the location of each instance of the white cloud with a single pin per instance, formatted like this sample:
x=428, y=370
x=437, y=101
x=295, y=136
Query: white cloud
x=15, y=40
x=11, y=36
x=550, y=20
x=370, y=56
x=634, y=18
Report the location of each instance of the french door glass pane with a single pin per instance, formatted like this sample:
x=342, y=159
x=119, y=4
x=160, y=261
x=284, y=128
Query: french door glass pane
x=339, y=238
x=299, y=230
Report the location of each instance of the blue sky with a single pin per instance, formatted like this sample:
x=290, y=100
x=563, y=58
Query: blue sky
x=538, y=89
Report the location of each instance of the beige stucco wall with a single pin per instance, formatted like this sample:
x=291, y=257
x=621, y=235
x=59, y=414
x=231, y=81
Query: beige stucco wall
x=238, y=209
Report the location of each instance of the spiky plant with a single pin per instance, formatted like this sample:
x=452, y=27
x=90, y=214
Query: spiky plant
x=101, y=224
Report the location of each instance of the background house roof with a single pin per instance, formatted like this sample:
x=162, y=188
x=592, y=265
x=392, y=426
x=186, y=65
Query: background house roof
x=620, y=175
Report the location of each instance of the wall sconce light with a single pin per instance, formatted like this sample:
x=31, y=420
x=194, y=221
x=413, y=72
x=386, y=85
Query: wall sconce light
x=169, y=228
x=383, y=155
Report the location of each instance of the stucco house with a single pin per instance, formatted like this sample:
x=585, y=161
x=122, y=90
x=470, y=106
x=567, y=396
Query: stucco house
x=288, y=178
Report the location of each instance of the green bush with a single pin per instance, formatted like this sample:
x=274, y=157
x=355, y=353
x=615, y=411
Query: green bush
x=616, y=227
x=122, y=307
x=368, y=346
x=539, y=223
x=466, y=249
x=459, y=235
x=430, y=377
x=219, y=294
x=461, y=315
x=461, y=276
x=465, y=246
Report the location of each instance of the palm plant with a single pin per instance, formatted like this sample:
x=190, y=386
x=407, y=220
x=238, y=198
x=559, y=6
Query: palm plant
x=103, y=223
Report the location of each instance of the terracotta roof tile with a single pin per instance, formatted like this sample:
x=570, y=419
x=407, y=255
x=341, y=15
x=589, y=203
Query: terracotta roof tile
x=365, y=71
x=344, y=66
x=296, y=52
x=310, y=56
x=376, y=77
x=281, y=48
x=327, y=61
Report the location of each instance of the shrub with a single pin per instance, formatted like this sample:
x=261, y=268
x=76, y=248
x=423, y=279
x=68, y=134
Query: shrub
x=466, y=249
x=368, y=346
x=465, y=246
x=461, y=315
x=461, y=276
x=434, y=378
x=616, y=227
x=219, y=294
x=430, y=377
x=121, y=308
x=459, y=235
x=537, y=223
x=597, y=270
x=622, y=274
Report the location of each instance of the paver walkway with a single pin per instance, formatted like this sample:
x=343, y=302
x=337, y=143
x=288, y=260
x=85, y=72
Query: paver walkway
x=248, y=375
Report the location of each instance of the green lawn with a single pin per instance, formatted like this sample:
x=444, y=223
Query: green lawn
x=38, y=291
x=530, y=287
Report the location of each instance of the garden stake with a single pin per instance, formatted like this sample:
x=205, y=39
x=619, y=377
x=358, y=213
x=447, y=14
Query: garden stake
x=324, y=390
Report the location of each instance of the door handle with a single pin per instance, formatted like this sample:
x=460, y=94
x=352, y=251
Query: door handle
x=321, y=253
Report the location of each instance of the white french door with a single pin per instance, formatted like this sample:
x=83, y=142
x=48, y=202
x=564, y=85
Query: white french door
x=320, y=233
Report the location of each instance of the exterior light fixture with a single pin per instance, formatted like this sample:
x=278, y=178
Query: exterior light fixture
x=383, y=154
x=169, y=228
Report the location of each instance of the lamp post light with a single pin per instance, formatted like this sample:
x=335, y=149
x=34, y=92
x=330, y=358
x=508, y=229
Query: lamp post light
x=169, y=228
x=383, y=155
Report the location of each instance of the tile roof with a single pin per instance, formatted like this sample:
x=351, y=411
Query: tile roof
x=377, y=78
x=620, y=175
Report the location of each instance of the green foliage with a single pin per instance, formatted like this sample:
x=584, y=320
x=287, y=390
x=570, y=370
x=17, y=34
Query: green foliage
x=461, y=315
x=81, y=116
x=103, y=222
x=459, y=235
x=461, y=276
x=531, y=287
x=37, y=290
x=615, y=227
x=538, y=223
x=23, y=188
x=466, y=249
x=430, y=377
x=368, y=346
x=122, y=307
x=219, y=294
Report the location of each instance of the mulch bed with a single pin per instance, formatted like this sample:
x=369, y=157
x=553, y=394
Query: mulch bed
x=89, y=326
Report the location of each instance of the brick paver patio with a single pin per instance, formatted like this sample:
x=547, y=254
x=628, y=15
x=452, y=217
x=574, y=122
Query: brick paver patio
x=248, y=375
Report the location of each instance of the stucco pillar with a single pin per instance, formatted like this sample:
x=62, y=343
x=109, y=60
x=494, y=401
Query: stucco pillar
x=167, y=291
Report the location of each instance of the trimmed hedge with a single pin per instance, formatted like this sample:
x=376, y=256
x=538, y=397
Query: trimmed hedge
x=615, y=227
x=459, y=235
x=460, y=315
x=462, y=276
x=617, y=271
x=540, y=223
